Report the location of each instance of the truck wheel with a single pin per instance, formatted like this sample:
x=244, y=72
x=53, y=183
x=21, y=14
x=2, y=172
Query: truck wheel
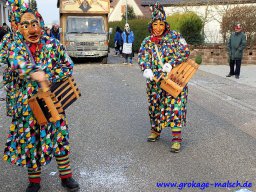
x=104, y=60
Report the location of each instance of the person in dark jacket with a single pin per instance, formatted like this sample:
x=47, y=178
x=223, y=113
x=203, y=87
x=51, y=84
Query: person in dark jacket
x=4, y=30
x=118, y=41
x=55, y=32
x=236, y=45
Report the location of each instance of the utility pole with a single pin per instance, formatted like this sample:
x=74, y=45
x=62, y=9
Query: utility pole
x=126, y=14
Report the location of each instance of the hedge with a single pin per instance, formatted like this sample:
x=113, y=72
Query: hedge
x=139, y=28
x=179, y=22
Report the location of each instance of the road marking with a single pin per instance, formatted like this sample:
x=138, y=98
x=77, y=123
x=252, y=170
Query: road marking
x=224, y=97
x=249, y=128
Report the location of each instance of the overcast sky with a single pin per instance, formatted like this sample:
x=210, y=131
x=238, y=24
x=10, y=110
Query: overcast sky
x=48, y=9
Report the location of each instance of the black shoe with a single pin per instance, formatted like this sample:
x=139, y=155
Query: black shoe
x=70, y=183
x=237, y=77
x=229, y=75
x=33, y=187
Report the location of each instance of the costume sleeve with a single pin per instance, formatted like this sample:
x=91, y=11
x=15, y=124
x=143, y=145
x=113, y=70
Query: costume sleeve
x=144, y=56
x=4, y=48
x=64, y=66
x=182, y=51
x=19, y=61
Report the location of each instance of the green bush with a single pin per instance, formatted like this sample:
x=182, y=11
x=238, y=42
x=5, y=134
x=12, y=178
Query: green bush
x=198, y=59
x=175, y=21
x=139, y=28
x=189, y=24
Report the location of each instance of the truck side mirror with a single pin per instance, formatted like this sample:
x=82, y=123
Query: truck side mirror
x=110, y=31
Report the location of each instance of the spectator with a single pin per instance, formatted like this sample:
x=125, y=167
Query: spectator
x=128, y=39
x=4, y=30
x=118, y=41
x=47, y=31
x=55, y=33
x=236, y=45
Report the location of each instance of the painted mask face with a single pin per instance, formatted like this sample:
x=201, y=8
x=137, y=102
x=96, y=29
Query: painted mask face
x=30, y=28
x=158, y=28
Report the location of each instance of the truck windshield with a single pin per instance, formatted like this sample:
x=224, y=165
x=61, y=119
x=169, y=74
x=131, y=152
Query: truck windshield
x=78, y=24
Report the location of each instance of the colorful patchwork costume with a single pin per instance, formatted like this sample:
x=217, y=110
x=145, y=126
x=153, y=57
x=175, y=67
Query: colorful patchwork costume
x=10, y=77
x=28, y=144
x=164, y=109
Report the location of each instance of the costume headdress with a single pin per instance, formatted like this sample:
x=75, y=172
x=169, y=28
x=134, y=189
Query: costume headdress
x=158, y=13
x=18, y=8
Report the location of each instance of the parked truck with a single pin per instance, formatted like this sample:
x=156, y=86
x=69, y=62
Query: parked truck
x=84, y=28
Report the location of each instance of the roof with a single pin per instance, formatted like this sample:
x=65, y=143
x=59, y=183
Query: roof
x=113, y=3
x=144, y=9
x=197, y=2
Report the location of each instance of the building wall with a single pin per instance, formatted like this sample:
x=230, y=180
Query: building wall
x=119, y=9
x=4, y=13
x=218, y=55
x=213, y=19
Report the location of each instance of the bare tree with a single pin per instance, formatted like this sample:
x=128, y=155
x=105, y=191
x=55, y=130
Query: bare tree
x=246, y=16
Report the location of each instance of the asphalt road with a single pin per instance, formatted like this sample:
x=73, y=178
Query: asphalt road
x=109, y=126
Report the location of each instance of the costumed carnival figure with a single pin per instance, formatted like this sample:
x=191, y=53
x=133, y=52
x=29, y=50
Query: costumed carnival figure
x=169, y=47
x=29, y=144
x=10, y=77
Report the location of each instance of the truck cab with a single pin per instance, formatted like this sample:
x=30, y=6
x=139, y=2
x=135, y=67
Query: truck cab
x=84, y=28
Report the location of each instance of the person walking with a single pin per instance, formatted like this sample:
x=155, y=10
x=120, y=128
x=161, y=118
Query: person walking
x=37, y=58
x=128, y=40
x=236, y=46
x=118, y=41
x=168, y=47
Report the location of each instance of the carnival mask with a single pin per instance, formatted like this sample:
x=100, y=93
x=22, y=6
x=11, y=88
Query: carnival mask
x=127, y=27
x=30, y=28
x=158, y=28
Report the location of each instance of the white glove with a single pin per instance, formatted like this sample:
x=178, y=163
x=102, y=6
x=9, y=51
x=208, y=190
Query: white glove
x=148, y=74
x=167, y=68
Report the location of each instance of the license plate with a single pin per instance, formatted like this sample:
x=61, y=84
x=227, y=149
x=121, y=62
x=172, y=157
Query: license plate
x=87, y=53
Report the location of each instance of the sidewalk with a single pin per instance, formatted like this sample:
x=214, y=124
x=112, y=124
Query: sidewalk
x=247, y=75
